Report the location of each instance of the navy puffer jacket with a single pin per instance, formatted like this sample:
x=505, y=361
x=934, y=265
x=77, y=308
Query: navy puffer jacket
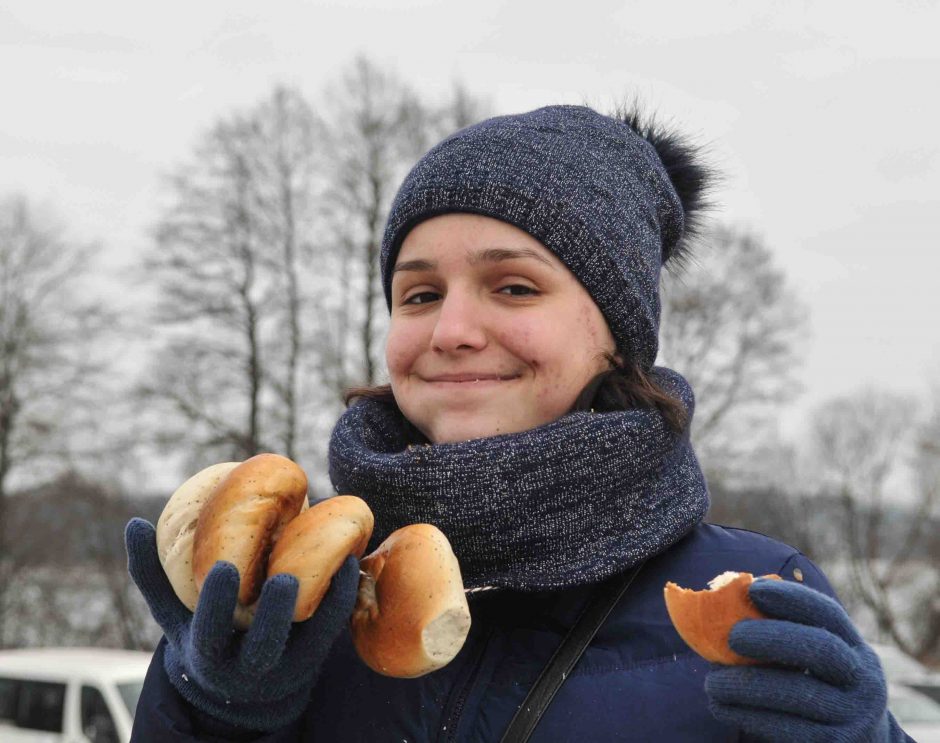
x=636, y=682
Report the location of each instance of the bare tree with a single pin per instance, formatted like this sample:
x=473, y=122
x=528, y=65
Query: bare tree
x=866, y=445
x=286, y=138
x=208, y=260
x=227, y=262
x=733, y=328
x=50, y=376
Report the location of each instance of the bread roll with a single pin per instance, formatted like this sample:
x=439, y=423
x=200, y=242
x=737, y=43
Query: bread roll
x=244, y=517
x=411, y=614
x=704, y=619
x=315, y=544
x=176, y=528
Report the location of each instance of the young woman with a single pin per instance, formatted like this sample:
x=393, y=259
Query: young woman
x=526, y=419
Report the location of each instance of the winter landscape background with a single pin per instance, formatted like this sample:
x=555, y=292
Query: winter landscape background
x=191, y=201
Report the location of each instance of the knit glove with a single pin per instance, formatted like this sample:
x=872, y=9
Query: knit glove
x=822, y=682
x=260, y=679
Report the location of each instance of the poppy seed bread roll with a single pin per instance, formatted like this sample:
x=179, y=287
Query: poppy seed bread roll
x=411, y=614
x=245, y=516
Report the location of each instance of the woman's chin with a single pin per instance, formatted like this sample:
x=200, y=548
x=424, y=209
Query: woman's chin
x=460, y=431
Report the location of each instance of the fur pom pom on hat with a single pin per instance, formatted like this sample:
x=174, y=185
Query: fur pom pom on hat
x=614, y=198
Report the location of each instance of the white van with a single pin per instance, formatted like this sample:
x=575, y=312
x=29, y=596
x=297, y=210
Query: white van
x=69, y=695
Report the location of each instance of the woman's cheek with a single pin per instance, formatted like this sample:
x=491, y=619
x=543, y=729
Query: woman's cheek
x=518, y=338
x=402, y=347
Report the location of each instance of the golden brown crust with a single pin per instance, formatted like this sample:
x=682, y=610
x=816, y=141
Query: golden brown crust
x=704, y=619
x=315, y=544
x=244, y=517
x=411, y=614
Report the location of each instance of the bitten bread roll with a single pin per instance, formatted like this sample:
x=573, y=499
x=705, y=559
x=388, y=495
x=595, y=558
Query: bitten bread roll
x=176, y=528
x=411, y=614
x=245, y=516
x=315, y=544
x=704, y=619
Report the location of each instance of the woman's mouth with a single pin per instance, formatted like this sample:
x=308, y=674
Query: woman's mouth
x=470, y=379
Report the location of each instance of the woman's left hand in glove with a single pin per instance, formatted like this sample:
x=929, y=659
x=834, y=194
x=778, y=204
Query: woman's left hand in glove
x=818, y=679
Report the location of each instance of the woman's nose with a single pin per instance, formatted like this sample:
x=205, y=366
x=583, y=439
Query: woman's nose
x=459, y=324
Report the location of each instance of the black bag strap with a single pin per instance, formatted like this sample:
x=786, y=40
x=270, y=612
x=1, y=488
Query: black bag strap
x=559, y=667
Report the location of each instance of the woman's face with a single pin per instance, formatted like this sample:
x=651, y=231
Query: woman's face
x=490, y=332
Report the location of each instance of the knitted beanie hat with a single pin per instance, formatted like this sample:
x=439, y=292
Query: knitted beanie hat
x=613, y=198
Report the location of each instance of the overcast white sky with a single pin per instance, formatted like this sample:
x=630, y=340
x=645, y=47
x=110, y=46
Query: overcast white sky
x=823, y=115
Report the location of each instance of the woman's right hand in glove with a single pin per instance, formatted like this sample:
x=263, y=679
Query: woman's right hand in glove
x=260, y=679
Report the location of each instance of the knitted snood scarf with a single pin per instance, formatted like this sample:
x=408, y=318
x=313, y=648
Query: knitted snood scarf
x=568, y=503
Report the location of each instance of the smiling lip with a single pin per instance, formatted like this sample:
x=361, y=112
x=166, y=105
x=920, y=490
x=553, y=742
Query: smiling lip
x=464, y=378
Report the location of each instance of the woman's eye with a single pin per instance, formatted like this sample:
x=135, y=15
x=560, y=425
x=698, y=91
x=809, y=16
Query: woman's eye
x=421, y=298
x=518, y=290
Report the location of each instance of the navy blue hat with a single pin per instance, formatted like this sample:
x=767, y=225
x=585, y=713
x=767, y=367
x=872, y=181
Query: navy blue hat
x=611, y=197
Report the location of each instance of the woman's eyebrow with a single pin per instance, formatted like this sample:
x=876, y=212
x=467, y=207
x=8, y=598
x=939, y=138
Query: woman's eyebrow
x=489, y=255
x=495, y=255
